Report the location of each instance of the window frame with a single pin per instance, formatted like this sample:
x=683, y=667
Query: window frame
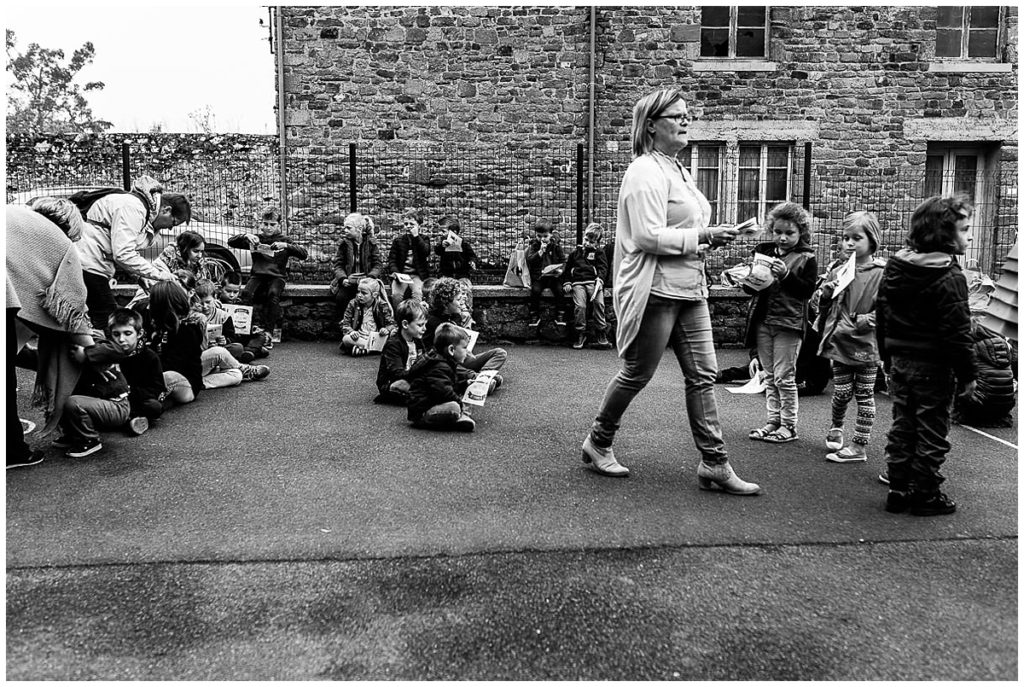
x=727, y=206
x=733, y=29
x=762, y=171
x=692, y=166
x=965, y=37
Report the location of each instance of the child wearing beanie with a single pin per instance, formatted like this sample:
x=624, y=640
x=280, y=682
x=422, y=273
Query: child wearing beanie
x=847, y=325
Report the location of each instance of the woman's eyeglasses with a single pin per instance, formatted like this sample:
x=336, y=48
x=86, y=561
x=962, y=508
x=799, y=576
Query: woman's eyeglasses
x=679, y=119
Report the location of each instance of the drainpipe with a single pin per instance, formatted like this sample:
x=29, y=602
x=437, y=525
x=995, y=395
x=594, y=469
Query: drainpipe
x=281, y=134
x=590, y=125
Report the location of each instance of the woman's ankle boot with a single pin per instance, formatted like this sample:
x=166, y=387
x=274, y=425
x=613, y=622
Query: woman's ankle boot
x=602, y=460
x=713, y=477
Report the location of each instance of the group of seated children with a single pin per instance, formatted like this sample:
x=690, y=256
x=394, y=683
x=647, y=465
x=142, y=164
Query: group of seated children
x=160, y=353
x=426, y=363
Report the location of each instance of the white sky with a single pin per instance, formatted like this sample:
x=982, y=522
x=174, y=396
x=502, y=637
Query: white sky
x=218, y=55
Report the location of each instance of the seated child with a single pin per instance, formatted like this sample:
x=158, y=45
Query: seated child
x=448, y=305
x=369, y=312
x=139, y=365
x=215, y=315
x=455, y=256
x=993, y=398
x=583, y=277
x=542, y=253
x=409, y=259
x=258, y=341
x=435, y=393
x=400, y=352
x=358, y=256
x=271, y=250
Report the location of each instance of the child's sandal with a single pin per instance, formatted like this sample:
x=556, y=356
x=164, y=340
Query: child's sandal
x=760, y=433
x=782, y=435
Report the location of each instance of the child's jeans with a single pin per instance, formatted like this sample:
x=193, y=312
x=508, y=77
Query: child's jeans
x=778, y=348
x=262, y=288
x=179, y=389
x=581, y=297
x=399, y=288
x=537, y=287
x=83, y=415
x=442, y=415
x=220, y=369
x=491, y=359
x=922, y=393
x=854, y=382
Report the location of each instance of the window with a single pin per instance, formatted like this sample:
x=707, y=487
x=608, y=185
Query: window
x=741, y=181
x=967, y=32
x=962, y=168
x=733, y=31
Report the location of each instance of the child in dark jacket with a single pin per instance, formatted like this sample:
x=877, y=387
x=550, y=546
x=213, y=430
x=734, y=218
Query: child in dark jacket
x=778, y=314
x=409, y=260
x=455, y=256
x=543, y=256
x=994, y=397
x=923, y=324
x=358, y=256
x=401, y=352
x=176, y=334
x=435, y=393
x=847, y=326
x=140, y=366
x=367, y=313
x=271, y=250
x=583, y=277
x=99, y=401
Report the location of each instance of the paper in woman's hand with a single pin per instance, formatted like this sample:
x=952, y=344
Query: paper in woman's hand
x=747, y=227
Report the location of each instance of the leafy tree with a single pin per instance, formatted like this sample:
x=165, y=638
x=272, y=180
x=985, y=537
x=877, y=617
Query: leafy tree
x=43, y=97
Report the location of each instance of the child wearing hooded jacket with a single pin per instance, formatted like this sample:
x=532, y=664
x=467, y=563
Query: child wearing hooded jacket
x=923, y=323
x=369, y=312
x=847, y=325
x=435, y=391
x=778, y=314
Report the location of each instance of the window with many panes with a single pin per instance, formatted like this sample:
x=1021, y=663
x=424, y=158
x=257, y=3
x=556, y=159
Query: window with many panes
x=963, y=168
x=762, y=177
x=968, y=32
x=733, y=31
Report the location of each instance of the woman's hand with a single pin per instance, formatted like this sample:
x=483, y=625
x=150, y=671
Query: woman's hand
x=721, y=236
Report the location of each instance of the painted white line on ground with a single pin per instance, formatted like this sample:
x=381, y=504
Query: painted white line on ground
x=986, y=434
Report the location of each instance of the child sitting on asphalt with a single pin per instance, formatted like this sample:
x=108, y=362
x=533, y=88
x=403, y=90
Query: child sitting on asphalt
x=271, y=250
x=435, y=391
x=205, y=292
x=367, y=313
x=400, y=352
x=994, y=397
x=543, y=255
x=583, y=278
x=258, y=340
x=448, y=305
x=847, y=326
x=139, y=365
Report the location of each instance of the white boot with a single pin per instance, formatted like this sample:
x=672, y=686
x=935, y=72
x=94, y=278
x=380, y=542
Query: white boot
x=722, y=477
x=602, y=460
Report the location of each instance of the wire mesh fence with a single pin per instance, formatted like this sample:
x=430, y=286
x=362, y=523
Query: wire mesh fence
x=498, y=192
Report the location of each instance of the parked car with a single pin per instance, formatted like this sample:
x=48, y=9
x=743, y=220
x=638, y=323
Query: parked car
x=216, y=234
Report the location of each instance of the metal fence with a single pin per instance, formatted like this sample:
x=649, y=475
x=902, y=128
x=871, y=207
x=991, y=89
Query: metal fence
x=499, y=191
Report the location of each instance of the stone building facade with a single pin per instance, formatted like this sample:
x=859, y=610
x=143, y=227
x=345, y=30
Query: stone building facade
x=840, y=108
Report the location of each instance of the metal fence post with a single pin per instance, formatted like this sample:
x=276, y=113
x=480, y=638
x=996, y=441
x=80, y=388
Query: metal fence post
x=579, y=193
x=126, y=166
x=807, y=176
x=351, y=177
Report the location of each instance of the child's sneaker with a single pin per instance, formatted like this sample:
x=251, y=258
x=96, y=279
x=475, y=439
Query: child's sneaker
x=931, y=503
x=847, y=454
x=883, y=477
x=495, y=384
x=559, y=321
x=138, y=425
x=535, y=322
x=34, y=457
x=86, y=448
x=246, y=357
x=27, y=426
x=61, y=442
x=603, y=342
x=834, y=439
x=465, y=424
x=581, y=340
x=254, y=373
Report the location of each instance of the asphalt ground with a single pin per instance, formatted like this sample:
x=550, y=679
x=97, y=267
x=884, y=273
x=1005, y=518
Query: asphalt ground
x=292, y=529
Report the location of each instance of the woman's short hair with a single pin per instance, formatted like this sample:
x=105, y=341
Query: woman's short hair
x=649, y=107
x=448, y=334
x=61, y=212
x=188, y=240
x=444, y=291
x=933, y=224
x=791, y=212
x=181, y=209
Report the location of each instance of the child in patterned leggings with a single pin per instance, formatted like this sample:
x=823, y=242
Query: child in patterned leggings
x=847, y=328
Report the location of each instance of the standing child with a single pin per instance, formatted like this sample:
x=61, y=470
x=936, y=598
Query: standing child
x=848, y=337
x=365, y=314
x=543, y=253
x=409, y=260
x=271, y=250
x=583, y=277
x=435, y=391
x=924, y=338
x=778, y=314
x=400, y=352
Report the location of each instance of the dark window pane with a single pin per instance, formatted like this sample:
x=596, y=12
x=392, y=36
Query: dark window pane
x=933, y=175
x=746, y=209
x=984, y=17
x=750, y=42
x=950, y=17
x=965, y=174
x=748, y=187
x=947, y=43
x=778, y=156
x=982, y=43
x=714, y=16
x=707, y=182
x=707, y=156
x=714, y=42
x=750, y=156
x=685, y=156
x=750, y=16
x=775, y=190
